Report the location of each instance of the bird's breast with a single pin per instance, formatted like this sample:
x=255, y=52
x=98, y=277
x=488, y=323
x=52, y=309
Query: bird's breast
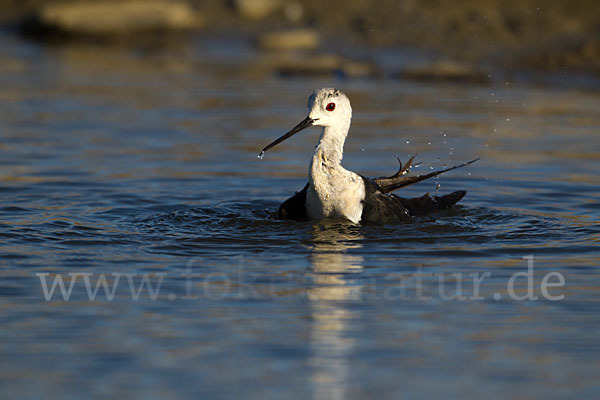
x=334, y=193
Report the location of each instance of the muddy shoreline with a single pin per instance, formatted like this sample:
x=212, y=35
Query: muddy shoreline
x=557, y=37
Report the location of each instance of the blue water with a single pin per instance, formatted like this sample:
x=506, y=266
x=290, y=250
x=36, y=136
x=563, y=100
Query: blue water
x=128, y=165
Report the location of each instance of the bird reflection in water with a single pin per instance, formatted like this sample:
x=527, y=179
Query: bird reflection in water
x=331, y=337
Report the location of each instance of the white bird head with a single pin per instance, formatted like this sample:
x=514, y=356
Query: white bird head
x=327, y=107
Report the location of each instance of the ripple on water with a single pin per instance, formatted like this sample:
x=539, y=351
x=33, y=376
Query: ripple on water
x=253, y=227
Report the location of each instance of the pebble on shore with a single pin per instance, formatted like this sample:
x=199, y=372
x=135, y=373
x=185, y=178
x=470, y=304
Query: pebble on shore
x=297, y=39
x=323, y=65
x=447, y=70
x=257, y=9
x=118, y=17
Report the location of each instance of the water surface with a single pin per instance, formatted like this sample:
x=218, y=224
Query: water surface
x=133, y=164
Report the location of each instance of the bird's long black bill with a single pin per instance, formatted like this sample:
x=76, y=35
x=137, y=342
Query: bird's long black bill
x=306, y=123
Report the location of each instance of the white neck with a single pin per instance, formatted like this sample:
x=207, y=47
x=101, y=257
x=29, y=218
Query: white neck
x=334, y=191
x=330, y=150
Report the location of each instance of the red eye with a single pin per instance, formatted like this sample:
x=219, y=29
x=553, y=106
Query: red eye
x=330, y=107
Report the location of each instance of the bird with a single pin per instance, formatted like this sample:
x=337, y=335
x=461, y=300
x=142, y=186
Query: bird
x=333, y=192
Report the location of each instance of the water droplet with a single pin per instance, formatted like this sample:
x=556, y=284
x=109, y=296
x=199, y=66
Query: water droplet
x=363, y=149
x=507, y=119
x=428, y=142
x=408, y=141
x=261, y=155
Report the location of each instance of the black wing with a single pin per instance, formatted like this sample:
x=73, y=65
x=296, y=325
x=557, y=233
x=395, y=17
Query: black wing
x=294, y=207
x=387, y=208
x=426, y=204
x=399, y=179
